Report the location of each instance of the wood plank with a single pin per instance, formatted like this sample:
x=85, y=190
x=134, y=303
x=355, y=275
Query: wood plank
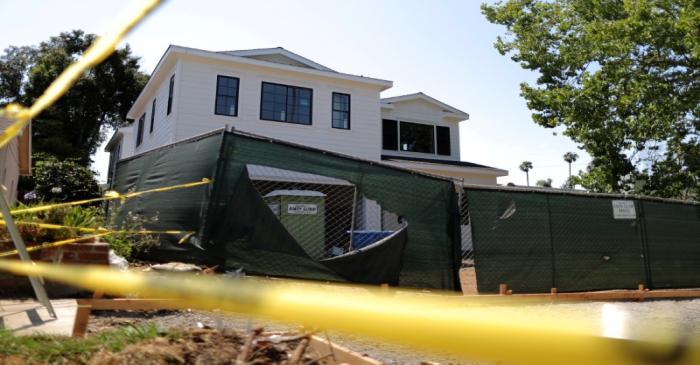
x=342, y=355
x=133, y=304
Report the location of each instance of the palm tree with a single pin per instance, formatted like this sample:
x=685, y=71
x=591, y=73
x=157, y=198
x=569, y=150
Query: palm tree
x=570, y=157
x=525, y=167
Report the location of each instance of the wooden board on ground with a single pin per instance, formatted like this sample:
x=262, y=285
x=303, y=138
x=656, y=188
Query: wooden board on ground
x=23, y=317
x=333, y=353
x=467, y=278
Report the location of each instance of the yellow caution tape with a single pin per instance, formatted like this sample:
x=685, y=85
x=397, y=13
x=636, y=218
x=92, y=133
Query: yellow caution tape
x=110, y=195
x=54, y=244
x=101, y=232
x=98, y=52
x=513, y=335
x=95, y=230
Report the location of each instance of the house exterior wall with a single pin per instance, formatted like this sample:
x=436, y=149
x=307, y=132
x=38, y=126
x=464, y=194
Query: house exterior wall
x=194, y=101
x=163, y=125
x=196, y=94
x=13, y=161
x=422, y=112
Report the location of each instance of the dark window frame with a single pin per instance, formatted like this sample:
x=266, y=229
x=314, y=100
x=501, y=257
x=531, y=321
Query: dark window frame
x=333, y=110
x=311, y=102
x=443, y=149
x=395, y=143
x=432, y=139
x=139, y=131
x=153, y=115
x=171, y=93
x=235, y=100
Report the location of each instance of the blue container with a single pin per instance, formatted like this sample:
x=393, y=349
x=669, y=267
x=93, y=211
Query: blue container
x=362, y=239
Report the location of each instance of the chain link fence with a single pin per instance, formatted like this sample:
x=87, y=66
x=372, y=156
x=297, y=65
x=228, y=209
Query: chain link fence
x=327, y=216
x=534, y=240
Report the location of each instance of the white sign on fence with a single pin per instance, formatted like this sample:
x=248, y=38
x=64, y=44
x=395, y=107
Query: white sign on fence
x=624, y=209
x=295, y=208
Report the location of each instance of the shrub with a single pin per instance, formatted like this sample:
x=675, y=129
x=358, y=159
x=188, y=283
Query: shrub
x=125, y=242
x=63, y=180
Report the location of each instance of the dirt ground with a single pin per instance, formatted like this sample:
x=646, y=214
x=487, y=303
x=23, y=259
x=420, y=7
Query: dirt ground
x=663, y=315
x=206, y=346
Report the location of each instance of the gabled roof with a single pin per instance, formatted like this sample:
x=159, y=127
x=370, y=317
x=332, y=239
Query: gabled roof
x=275, y=58
x=118, y=135
x=278, y=55
x=388, y=103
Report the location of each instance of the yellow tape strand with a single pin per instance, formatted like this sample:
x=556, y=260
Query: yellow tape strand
x=54, y=244
x=112, y=195
x=435, y=323
x=95, y=54
x=94, y=230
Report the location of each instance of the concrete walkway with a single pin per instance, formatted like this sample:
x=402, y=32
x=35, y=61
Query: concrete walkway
x=24, y=317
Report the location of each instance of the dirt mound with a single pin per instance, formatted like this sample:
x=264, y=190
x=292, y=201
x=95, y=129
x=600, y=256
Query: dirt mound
x=204, y=346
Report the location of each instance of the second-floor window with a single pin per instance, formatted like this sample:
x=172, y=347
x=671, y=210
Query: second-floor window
x=153, y=115
x=442, y=135
x=139, y=132
x=416, y=137
x=284, y=103
x=226, y=96
x=171, y=91
x=341, y=111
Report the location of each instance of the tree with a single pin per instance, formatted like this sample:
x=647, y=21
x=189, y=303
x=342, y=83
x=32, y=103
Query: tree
x=525, y=167
x=62, y=180
x=544, y=183
x=569, y=158
x=622, y=78
x=74, y=126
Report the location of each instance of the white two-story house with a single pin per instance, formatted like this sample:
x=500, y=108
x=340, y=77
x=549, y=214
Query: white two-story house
x=276, y=93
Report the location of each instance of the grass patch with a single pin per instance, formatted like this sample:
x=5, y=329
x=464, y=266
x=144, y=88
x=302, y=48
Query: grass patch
x=53, y=349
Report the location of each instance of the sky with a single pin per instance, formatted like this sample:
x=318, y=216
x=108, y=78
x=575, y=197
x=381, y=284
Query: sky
x=442, y=48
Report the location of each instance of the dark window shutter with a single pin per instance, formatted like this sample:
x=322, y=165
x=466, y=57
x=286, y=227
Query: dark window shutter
x=443, y=141
x=390, y=135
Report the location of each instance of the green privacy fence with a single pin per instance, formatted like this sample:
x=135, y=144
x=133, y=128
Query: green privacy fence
x=280, y=209
x=535, y=240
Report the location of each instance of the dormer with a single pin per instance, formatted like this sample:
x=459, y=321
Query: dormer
x=417, y=125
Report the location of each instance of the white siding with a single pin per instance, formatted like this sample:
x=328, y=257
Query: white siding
x=196, y=96
x=9, y=164
x=163, y=124
x=420, y=111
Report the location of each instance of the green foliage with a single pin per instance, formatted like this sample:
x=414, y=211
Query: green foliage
x=78, y=216
x=84, y=217
x=63, y=180
x=74, y=126
x=622, y=77
x=544, y=183
x=125, y=242
x=57, y=349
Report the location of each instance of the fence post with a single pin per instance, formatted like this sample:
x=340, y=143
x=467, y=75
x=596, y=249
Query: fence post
x=36, y=282
x=641, y=218
x=551, y=242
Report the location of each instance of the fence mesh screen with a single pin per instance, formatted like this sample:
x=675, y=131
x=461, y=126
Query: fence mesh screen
x=284, y=210
x=534, y=241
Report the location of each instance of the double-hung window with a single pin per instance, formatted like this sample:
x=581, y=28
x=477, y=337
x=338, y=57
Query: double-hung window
x=284, y=103
x=341, y=111
x=139, y=132
x=226, y=96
